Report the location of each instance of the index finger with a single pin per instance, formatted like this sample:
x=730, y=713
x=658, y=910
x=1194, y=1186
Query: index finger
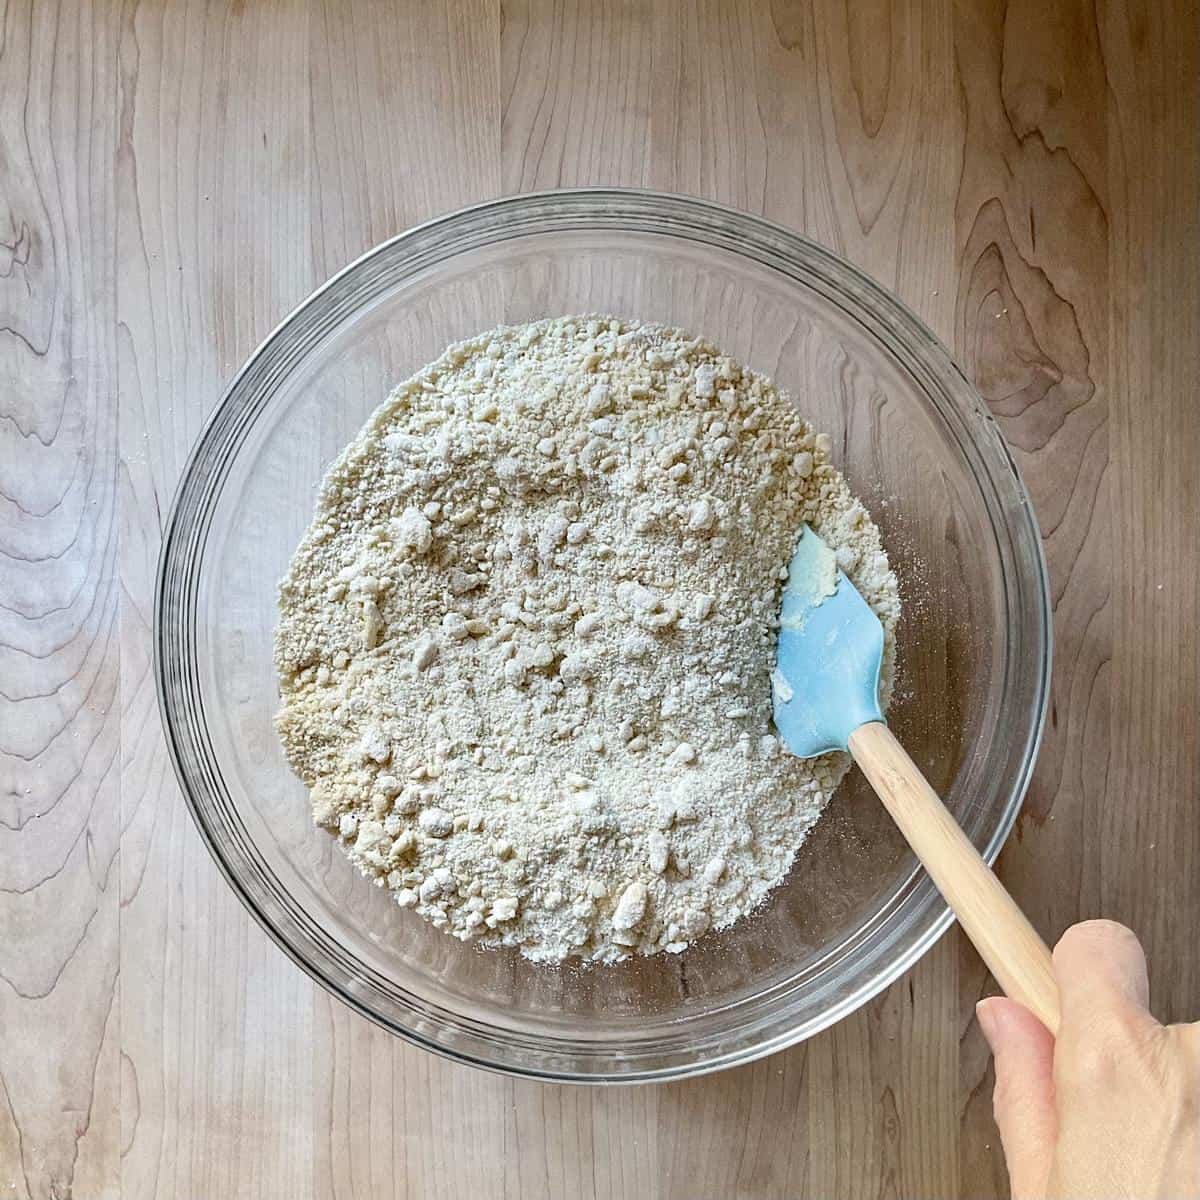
x=1100, y=965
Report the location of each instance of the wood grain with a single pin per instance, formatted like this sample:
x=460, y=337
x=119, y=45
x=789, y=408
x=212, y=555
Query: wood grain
x=213, y=233
x=176, y=174
x=59, y=604
x=1031, y=329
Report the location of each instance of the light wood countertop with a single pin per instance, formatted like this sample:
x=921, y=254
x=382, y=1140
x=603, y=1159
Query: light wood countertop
x=177, y=175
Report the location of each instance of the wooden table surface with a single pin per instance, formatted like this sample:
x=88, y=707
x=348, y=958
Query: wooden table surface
x=177, y=175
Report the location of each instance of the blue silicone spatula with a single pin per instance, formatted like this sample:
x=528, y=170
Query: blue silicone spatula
x=826, y=693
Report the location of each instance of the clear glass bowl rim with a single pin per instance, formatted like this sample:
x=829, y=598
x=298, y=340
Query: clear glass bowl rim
x=302, y=331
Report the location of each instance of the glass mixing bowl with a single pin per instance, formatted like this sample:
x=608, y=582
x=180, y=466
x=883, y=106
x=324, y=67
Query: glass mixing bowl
x=917, y=445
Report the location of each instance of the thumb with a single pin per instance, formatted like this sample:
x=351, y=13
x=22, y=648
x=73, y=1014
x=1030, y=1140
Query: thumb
x=1023, y=1100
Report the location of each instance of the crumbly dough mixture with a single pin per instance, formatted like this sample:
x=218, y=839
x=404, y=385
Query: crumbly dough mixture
x=525, y=646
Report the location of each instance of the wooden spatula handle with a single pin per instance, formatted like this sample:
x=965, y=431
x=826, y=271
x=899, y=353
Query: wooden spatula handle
x=1000, y=931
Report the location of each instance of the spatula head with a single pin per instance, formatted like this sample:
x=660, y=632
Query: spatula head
x=826, y=678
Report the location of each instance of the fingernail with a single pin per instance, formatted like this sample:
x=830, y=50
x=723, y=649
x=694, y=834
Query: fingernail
x=986, y=1016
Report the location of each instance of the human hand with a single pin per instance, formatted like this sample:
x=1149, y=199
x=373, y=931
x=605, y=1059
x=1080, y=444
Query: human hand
x=1112, y=1108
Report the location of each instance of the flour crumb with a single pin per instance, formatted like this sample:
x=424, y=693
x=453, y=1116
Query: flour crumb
x=525, y=648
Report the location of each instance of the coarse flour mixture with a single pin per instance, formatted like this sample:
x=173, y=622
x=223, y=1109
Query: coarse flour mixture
x=525, y=646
